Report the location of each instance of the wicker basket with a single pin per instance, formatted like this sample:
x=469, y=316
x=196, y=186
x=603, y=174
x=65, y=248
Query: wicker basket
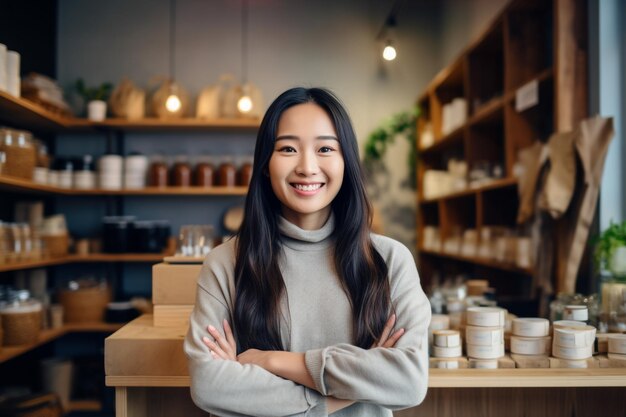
x=21, y=325
x=56, y=245
x=84, y=305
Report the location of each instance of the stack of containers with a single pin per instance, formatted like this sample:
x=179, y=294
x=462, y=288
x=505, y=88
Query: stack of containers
x=437, y=322
x=484, y=336
x=110, y=172
x=9, y=71
x=572, y=344
x=447, y=348
x=135, y=171
x=530, y=339
x=617, y=347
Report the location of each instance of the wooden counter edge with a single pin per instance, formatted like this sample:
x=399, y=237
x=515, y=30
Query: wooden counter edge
x=446, y=378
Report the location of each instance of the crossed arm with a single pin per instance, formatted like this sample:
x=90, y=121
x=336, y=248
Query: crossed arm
x=287, y=365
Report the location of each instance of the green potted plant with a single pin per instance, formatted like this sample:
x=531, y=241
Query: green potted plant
x=96, y=99
x=610, y=251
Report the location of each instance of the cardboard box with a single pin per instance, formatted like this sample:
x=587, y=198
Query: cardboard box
x=141, y=349
x=172, y=315
x=174, y=284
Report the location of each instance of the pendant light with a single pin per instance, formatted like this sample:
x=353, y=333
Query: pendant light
x=172, y=103
x=244, y=105
x=387, y=32
x=389, y=51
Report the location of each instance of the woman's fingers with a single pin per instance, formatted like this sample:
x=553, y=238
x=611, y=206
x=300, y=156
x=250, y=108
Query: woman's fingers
x=224, y=347
x=387, y=330
x=215, y=350
x=393, y=339
x=229, y=337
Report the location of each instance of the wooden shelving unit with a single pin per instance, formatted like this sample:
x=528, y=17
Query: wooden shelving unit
x=84, y=405
x=21, y=112
x=10, y=352
x=92, y=258
x=30, y=187
x=530, y=41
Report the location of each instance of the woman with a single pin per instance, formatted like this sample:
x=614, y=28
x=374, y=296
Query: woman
x=312, y=295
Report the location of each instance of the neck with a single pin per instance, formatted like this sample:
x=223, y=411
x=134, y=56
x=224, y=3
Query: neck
x=312, y=221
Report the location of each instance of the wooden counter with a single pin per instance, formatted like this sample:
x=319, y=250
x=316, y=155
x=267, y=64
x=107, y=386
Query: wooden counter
x=148, y=368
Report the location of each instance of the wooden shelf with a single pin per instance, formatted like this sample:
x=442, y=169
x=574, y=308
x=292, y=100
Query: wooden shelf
x=449, y=378
x=30, y=187
x=531, y=378
x=494, y=185
x=154, y=124
x=84, y=405
x=451, y=139
x=10, y=352
x=19, y=112
x=96, y=257
x=488, y=112
x=480, y=261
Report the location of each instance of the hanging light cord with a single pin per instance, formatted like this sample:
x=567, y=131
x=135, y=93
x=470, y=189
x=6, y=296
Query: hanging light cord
x=244, y=41
x=172, y=39
x=390, y=21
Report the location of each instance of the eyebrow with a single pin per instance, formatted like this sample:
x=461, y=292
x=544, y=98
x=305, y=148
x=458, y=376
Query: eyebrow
x=294, y=137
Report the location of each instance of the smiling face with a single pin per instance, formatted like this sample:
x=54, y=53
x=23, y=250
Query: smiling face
x=306, y=166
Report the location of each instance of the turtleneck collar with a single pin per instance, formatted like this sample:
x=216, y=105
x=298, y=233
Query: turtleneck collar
x=306, y=240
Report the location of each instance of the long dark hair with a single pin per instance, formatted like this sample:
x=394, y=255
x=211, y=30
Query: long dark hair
x=362, y=270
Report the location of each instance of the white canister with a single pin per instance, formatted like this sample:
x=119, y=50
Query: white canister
x=110, y=165
x=3, y=67
x=40, y=175
x=618, y=261
x=84, y=180
x=110, y=182
x=576, y=313
x=13, y=74
x=97, y=110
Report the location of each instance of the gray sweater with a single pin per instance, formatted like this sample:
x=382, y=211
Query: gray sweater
x=316, y=320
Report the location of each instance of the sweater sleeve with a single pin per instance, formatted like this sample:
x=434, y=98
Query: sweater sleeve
x=228, y=388
x=395, y=377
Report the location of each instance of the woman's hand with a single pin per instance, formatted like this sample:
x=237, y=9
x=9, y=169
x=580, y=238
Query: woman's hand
x=387, y=339
x=256, y=357
x=223, y=347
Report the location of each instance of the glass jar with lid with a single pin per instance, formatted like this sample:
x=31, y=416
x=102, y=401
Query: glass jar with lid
x=227, y=173
x=245, y=172
x=21, y=318
x=204, y=175
x=20, y=153
x=181, y=172
x=158, y=171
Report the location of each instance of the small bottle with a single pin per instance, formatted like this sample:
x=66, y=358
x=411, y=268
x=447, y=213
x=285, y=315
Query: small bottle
x=65, y=169
x=85, y=175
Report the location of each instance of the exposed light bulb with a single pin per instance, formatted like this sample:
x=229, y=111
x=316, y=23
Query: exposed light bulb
x=244, y=104
x=389, y=53
x=172, y=104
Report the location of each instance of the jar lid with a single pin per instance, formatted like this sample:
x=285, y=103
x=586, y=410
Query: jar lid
x=85, y=284
x=85, y=163
x=120, y=305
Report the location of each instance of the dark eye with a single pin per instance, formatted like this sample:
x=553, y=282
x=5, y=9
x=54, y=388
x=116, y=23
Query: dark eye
x=288, y=149
x=326, y=149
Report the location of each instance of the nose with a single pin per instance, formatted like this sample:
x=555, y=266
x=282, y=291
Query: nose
x=307, y=164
